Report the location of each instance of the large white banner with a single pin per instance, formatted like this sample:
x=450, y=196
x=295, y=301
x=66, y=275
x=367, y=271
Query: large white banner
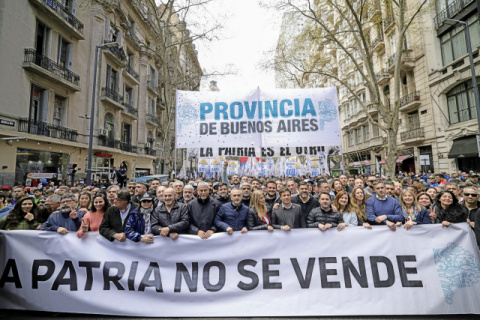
x=262, y=118
x=426, y=270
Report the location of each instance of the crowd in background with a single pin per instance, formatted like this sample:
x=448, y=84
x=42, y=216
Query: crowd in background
x=139, y=211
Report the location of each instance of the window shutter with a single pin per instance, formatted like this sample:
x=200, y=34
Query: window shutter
x=109, y=75
x=107, y=29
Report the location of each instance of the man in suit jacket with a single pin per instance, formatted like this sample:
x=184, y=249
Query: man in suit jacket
x=288, y=216
x=115, y=218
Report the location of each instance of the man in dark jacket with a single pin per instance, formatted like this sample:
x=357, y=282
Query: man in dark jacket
x=246, y=193
x=202, y=212
x=222, y=196
x=306, y=202
x=115, y=218
x=232, y=216
x=271, y=196
x=471, y=202
x=171, y=218
x=288, y=216
x=323, y=217
x=140, y=189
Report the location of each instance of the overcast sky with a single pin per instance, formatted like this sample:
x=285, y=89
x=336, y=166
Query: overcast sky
x=249, y=32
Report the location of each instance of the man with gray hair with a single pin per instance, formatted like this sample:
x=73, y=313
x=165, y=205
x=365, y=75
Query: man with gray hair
x=178, y=187
x=62, y=190
x=66, y=219
x=188, y=194
x=202, y=212
x=246, y=193
x=112, y=192
x=171, y=218
x=53, y=201
x=113, y=224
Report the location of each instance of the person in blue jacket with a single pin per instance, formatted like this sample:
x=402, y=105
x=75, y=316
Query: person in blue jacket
x=139, y=226
x=232, y=216
x=66, y=218
x=383, y=209
x=413, y=212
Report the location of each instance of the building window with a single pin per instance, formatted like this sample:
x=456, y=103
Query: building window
x=461, y=102
x=152, y=106
x=126, y=133
x=413, y=121
x=453, y=42
x=359, y=135
x=64, y=57
x=112, y=79
x=109, y=125
x=366, y=132
x=38, y=105
x=58, y=110
x=128, y=96
x=351, y=139
x=41, y=38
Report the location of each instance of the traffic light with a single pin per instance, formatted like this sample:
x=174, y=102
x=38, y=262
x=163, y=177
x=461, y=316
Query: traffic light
x=72, y=168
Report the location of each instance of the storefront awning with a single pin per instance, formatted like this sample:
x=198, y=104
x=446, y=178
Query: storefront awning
x=382, y=162
x=366, y=162
x=401, y=158
x=464, y=148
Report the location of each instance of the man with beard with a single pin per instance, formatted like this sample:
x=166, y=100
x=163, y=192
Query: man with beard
x=306, y=202
x=202, y=212
x=390, y=188
x=66, y=219
x=187, y=194
x=222, y=194
x=232, y=216
x=246, y=189
x=140, y=189
x=398, y=189
x=271, y=196
x=369, y=188
x=344, y=181
x=256, y=184
x=171, y=218
x=323, y=216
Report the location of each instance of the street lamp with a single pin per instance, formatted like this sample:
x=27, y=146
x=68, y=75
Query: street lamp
x=472, y=66
x=88, y=178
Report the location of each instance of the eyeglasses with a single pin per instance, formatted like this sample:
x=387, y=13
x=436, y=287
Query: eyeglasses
x=470, y=195
x=66, y=201
x=144, y=201
x=130, y=187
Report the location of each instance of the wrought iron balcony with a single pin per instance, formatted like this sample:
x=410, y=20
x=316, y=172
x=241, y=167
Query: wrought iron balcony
x=409, y=98
x=46, y=129
x=31, y=56
x=153, y=85
x=127, y=147
x=132, y=72
x=109, y=143
x=382, y=76
x=378, y=43
x=118, y=53
x=413, y=134
x=130, y=109
x=152, y=118
x=64, y=14
x=111, y=94
x=150, y=151
x=450, y=12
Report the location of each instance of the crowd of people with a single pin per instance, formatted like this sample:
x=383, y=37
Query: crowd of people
x=139, y=211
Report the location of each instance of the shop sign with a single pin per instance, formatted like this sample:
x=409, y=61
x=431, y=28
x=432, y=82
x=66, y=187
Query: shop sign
x=7, y=123
x=42, y=176
x=99, y=154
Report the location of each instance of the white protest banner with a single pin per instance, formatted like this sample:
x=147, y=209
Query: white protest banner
x=233, y=167
x=425, y=270
x=262, y=118
x=210, y=152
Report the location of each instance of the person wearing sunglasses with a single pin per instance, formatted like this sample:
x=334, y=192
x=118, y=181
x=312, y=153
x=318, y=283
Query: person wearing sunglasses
x=139, y=227
x=470, y=201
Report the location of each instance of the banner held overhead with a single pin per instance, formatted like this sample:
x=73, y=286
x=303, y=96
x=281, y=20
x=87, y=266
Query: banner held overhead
x=262, y=118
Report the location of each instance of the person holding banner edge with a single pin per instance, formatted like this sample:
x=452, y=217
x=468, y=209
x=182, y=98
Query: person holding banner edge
x=171, y=218
x=287, y=216
x=233, y=216
x=258, y=217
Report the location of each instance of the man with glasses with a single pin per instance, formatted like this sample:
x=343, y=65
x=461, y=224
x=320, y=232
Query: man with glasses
x=369, y=188
x=470, y=201
x=382, y=209
x=131, y=188
x=139, y=226
x=66, y=219
x=115, y=218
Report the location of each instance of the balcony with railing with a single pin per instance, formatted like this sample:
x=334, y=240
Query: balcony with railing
x=153, y=86
x=152, y=119
x=132, y=38
x=127, y=147
x=46, y=129
x=412, y=135
x=378, y=44
x=111, y=96
x=48, y=68
x=383, y=76
x=109, y=143
x=129, y=71
x=149, y=150
x=130, y=110
x=117, y=55
x=407, y=61
x=450, y=11
x=410, y=101
x=61, y=15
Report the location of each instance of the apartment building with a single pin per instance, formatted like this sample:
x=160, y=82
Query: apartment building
x=47, y=70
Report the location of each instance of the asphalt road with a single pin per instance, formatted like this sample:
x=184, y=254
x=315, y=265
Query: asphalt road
x=27, y=315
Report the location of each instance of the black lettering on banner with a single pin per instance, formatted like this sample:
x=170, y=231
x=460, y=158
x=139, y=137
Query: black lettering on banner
x=62, y=281
x=221, y=276
x=157, y=280
x=296, y=125
x=115, y=279
x=191, y=281
x=203, y=129
x=374, y=261
x=243, y=127
x=304, y=281
x=268, y=126
x=49, y=264
x=267, y=273
x=281, y=126
x=89, y=265
x=131, y=276
x=15, y=278
x=349, y=268
x=212, y=128
x=324, y=273
x=224, y=128
x=305, y=126
x=313, y=125
x=249, y=274
x=206, y=152
x=404, y=271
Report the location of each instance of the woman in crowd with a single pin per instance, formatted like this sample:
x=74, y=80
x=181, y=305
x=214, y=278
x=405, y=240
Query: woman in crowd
x=92, y=219
x=424, y=200
x=258, y=218
x=358, y=201
x=413, y=212
x=432, y=192
x=337, y=186
x=84, y=202
x=21, y=217
x=342, y=202
x=138, y=226
x=448, y=210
